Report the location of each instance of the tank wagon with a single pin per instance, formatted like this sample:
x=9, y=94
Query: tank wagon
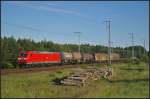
x=115, y=57
x=77, y=57
x=87, y=58
x=67, y=57
x=101, y=57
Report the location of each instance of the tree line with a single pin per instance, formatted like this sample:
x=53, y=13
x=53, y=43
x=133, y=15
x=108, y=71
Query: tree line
x=10, y=48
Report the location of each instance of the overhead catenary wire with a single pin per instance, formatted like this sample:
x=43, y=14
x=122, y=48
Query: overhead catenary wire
x=40, y=31
x=34, y=29
x=45, y=5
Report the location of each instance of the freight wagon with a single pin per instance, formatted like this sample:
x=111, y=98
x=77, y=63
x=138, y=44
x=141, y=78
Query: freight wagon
x=67, y=57
x=77, y=57
x=87, y=58
x=101, y=57
x=115, y=56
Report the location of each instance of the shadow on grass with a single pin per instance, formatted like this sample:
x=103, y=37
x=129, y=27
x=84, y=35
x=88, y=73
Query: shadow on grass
x=57, y=81
x=133, y=69
x=130, y=81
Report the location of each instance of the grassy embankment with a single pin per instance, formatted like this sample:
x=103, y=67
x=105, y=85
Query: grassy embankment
x=128, y=81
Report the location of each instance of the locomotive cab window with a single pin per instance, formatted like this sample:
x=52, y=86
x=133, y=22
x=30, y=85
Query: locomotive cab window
x=23, y=55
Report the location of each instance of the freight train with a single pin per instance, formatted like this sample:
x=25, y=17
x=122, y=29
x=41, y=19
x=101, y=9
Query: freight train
x=34, y=58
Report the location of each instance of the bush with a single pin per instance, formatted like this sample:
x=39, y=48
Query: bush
x=145, y=58
x=131, y=61
x=59, y=72
x=127, y=60
x=7, y=65
x=136, y=61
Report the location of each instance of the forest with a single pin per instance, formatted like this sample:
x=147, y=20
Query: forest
x=11, y=46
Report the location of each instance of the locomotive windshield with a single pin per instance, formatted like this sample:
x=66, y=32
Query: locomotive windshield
x=23, y=55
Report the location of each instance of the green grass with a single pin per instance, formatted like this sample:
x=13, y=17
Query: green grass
x=128, y=81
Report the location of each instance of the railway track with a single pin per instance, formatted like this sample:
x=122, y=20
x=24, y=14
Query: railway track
x=43, y=68
x=38, y=69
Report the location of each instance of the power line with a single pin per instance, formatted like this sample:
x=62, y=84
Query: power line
x=34, y=29
x=38, y=30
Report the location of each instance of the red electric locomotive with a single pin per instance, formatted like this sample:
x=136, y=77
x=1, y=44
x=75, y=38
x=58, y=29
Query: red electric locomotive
x=27, y=58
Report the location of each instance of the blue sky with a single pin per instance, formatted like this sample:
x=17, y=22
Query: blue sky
x=58, y=20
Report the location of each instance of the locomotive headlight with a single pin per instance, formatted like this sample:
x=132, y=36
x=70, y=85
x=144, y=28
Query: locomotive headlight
x=24, y=58
x=19, y=58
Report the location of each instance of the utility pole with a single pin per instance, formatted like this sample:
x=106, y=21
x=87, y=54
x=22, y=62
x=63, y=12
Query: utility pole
x=144, y=46
x=78, y=33
x=68, y=48
x=123, y=53
x=112, y=47
x=127, y=50
x=109, y=42
x=132, y=45
x=140, y=48
x=139, y=51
